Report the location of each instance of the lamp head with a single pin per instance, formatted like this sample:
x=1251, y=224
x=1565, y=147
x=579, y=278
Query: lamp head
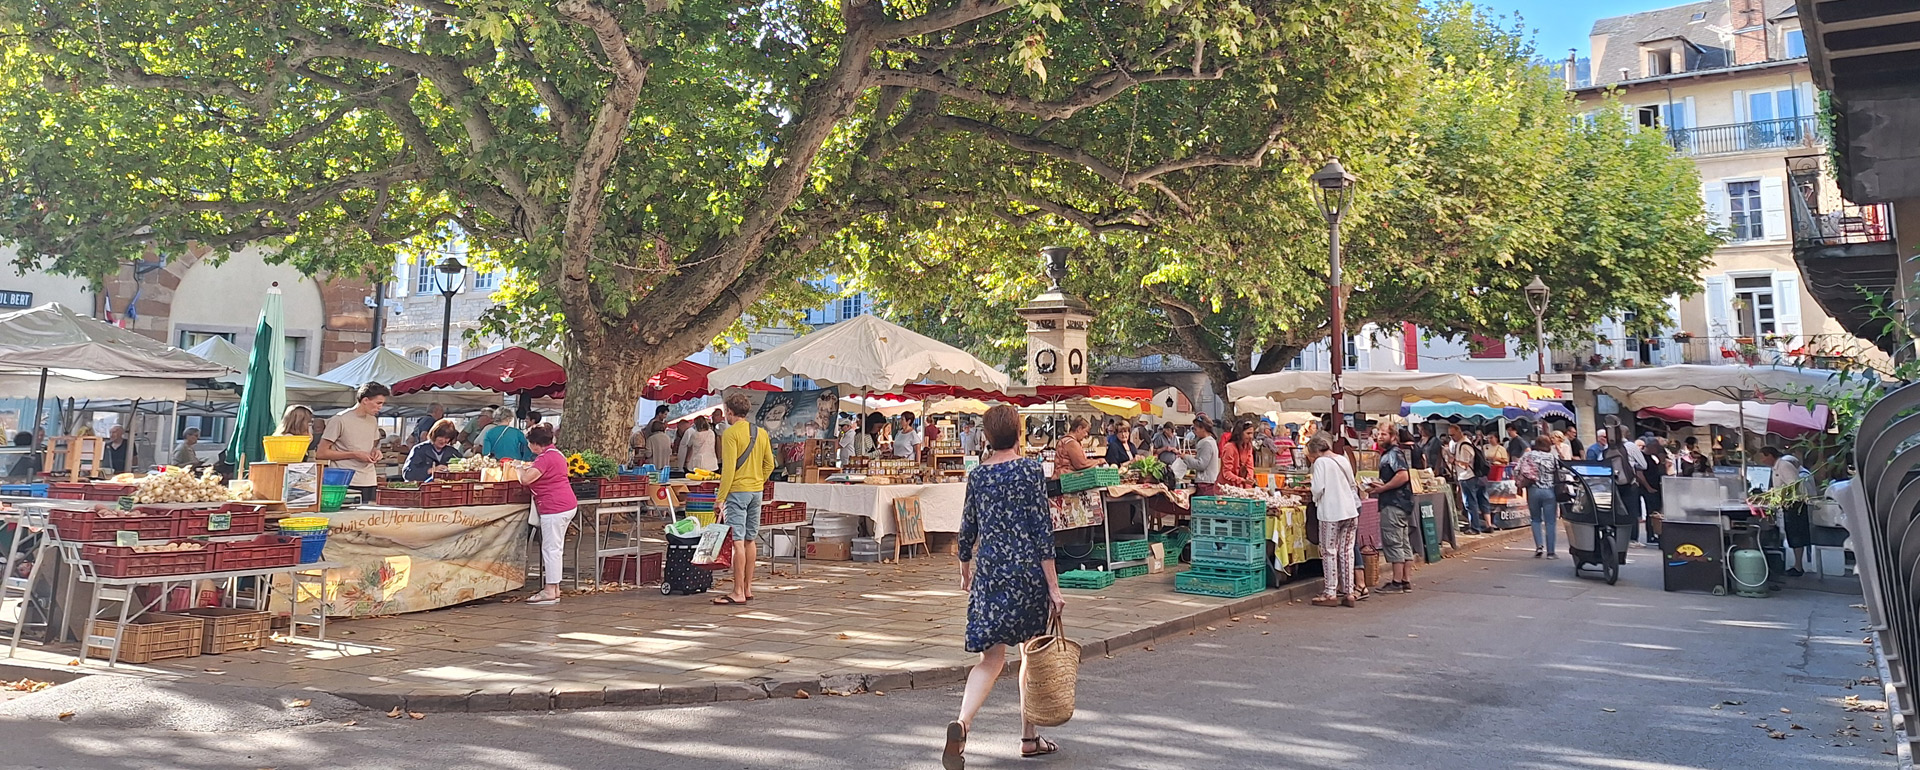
x=1538, y=294
x=1335, y=189
x=452, y=275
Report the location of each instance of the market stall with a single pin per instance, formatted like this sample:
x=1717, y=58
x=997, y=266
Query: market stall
x=395, y=560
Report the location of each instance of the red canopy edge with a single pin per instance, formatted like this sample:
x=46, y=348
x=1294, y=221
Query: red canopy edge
x=687, y=380
x=513, y=371
x=1040, y=395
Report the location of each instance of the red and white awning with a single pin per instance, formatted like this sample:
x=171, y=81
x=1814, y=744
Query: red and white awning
x=1779, y=418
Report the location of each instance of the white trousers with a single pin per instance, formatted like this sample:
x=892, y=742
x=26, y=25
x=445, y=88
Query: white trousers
x=553, y=541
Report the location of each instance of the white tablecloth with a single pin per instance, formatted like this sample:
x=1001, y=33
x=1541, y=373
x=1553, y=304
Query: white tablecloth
x=939, y=503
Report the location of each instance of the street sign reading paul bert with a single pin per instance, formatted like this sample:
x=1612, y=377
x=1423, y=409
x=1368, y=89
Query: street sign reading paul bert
x=16, y=299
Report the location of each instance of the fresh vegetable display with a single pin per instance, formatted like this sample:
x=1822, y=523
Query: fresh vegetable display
x=465, y=464
x=702, y=474
x=176, y=485
x=591, y=465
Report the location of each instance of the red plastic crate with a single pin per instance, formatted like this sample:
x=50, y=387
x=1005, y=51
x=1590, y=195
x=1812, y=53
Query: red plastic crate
x=623, y=486
x=782, y=512
x=487, y=492
x=399, y=498
x=457, y=476
x=67, y=490
x=244, y=520
x=121, y=561
x=620, y=569
x=262, y=551
x=444, y=494
x=767, y=494
x=518, y=492
x=100, y=524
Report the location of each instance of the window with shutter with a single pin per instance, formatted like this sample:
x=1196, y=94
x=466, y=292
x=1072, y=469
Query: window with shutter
x=1480, y=346
x=1773, y=208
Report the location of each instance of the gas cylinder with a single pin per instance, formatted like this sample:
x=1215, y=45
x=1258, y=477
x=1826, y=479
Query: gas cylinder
x=1749, y=572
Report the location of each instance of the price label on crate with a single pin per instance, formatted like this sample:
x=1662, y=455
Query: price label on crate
x=219, y=522
x=126, y=539
x=125, y=503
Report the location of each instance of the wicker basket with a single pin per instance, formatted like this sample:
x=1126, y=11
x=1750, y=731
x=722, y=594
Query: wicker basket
x=148, y=638
x=1049, y=672
x=226, y=629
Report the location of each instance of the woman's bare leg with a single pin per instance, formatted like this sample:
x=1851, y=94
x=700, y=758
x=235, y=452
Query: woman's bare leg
x=980, y=683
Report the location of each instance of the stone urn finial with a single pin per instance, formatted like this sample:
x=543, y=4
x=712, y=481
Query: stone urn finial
x=1056, y=265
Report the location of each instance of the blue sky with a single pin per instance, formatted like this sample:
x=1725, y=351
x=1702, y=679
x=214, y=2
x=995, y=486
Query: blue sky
x=1561, y=24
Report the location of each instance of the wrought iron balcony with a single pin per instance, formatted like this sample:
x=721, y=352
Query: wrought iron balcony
x=1778, y=134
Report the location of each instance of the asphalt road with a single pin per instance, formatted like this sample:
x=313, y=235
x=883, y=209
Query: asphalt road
x=1497, y=661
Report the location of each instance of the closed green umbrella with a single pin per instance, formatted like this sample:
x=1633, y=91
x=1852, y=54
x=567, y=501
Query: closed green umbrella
x=264, y=396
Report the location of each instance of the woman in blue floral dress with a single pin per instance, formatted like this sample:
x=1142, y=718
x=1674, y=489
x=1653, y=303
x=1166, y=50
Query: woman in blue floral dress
x=1011, y=588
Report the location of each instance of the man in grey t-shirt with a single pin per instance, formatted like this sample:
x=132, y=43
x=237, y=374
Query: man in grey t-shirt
x=352, y=438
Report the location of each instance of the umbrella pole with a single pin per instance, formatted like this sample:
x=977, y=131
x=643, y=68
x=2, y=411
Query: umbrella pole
x=133, y=451
x=39, y=404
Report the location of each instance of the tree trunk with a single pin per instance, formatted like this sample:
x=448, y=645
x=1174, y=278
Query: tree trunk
x=605, y=374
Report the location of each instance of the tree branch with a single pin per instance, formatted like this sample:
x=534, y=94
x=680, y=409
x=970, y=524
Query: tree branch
x=1096, y=91
x=935, y=21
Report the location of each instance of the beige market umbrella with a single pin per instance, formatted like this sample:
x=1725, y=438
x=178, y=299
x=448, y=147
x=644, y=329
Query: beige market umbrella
x=1380, y=392
x=864, y=355
x=1662, y=386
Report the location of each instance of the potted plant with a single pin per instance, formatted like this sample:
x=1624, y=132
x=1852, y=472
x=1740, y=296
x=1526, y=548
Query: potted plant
x=1683, y=337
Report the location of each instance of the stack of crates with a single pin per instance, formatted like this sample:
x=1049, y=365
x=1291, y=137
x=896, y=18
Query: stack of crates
x=1229, y=548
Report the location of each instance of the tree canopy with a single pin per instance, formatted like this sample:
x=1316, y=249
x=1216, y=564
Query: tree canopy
x=650, y=170
x=1477, y=173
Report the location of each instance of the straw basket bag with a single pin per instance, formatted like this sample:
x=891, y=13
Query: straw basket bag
x=1049, y=669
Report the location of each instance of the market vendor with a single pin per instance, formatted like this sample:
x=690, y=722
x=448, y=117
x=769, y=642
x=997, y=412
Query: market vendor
x=430, y=457
x=352, y=439
x=1069, y=454
x=1236, y=457
x=873, y=441
x=1206, y=458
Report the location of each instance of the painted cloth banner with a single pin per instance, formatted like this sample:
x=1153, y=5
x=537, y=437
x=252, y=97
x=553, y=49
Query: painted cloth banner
x=794, y=415
x=396, y=560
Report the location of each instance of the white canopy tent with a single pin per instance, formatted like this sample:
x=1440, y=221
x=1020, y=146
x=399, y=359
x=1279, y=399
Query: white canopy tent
x=52, y=348
x=1377, y=392
x=301, y=388
x=387, y=367
x=1663, y=386
x=864, y=355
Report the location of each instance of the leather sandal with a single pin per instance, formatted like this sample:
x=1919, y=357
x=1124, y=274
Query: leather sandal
x=1041, y=746
x=1326, y=601
x=954, y=756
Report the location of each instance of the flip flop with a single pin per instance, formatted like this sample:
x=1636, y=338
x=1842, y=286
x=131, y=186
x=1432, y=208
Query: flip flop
x=728, y=600
x=954, y=756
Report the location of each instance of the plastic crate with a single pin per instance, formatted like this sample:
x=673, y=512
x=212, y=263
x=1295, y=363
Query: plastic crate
x=24, y=490
x=1128, y=572
x=1225, y=584
x=1091, y=478
x=767, y=494
x=457, y=476
x=1085, y=579
x=122, y=561
x=625, y=568
x=150, y=637
x=782, y=512
x=518, y=492
x=1229, y=507
x=586, y=490
x=1224, y=528
x=488, y=492
x=260, y=552
x=1124, y=550
x=399, y=497
x=1230, y=554
x=622, y=487
x=332, y=497
x=93, y=525
x=241, y=520
x=1172, y=543
x=226, y=629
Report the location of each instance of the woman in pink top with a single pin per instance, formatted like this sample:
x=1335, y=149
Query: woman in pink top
x=553, y=498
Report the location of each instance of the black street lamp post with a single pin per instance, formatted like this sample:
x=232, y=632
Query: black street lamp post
x=452, y=277
x=1537, y=296
x=1335, y=192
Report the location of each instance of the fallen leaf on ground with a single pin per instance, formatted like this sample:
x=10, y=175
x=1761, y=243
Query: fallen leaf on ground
x=1776, y=735
x=350, y=723
x=66, y=715
x=1715, y=707
x=1148, y=648
x=1732, y=702
x=1413, y=636
x=25, y=685
x=1264, y=633
x=213, y=671
x=1236, y=620
x=880, y=693
x=801, y=695
x=1786, y=711
x=1610, y=711
x=396, y=712
x=416, y=715
x=74, y=662
x=1211, y=628
x=1795, y=727
x=844, y=636
x=300, y=704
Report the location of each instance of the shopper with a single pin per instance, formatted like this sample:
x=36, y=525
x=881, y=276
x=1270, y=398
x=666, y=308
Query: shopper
x=1466, y=463
x=435, y=413
x=1629, y=481
x=698, y=449
x=1006, y=568
x=1598, y=449
x=1535, y=474
x=1791, y=497
x=1655, y=499
x=1206, y=459
x=1561, y=446
x=352, y=438
x=553, y=500
x=470, y=436
x=1692, y=462
x=1338, y=505
x=659, y=441
x=746, y=462
x=1070, y=453
x=430, y=457
x=1574, y=447
x=1396, y=509
x=1236, y=457
x=1517, y=443
x=1166, y=445
x=505, y=441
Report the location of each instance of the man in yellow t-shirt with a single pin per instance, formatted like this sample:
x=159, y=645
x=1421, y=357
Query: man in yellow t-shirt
x=746, y=462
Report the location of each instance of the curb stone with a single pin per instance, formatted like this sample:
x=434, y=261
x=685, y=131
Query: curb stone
x=844, y=682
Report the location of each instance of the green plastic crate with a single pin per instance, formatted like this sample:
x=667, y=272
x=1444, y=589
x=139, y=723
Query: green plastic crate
x=1228, y=528
x=1086, y=578
x=1222, y=583
x=1091, y=478
x=1173, y=542
x=1229, y=507
x=1230, y=554
x=1134, y=571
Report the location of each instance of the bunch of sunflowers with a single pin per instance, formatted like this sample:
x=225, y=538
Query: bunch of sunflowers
x=591, y=465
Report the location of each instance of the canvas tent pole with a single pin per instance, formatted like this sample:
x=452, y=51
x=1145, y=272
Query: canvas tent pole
x=39, y=405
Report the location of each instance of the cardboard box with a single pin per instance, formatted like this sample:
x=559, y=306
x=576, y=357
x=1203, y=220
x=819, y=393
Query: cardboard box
x=830, y=550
